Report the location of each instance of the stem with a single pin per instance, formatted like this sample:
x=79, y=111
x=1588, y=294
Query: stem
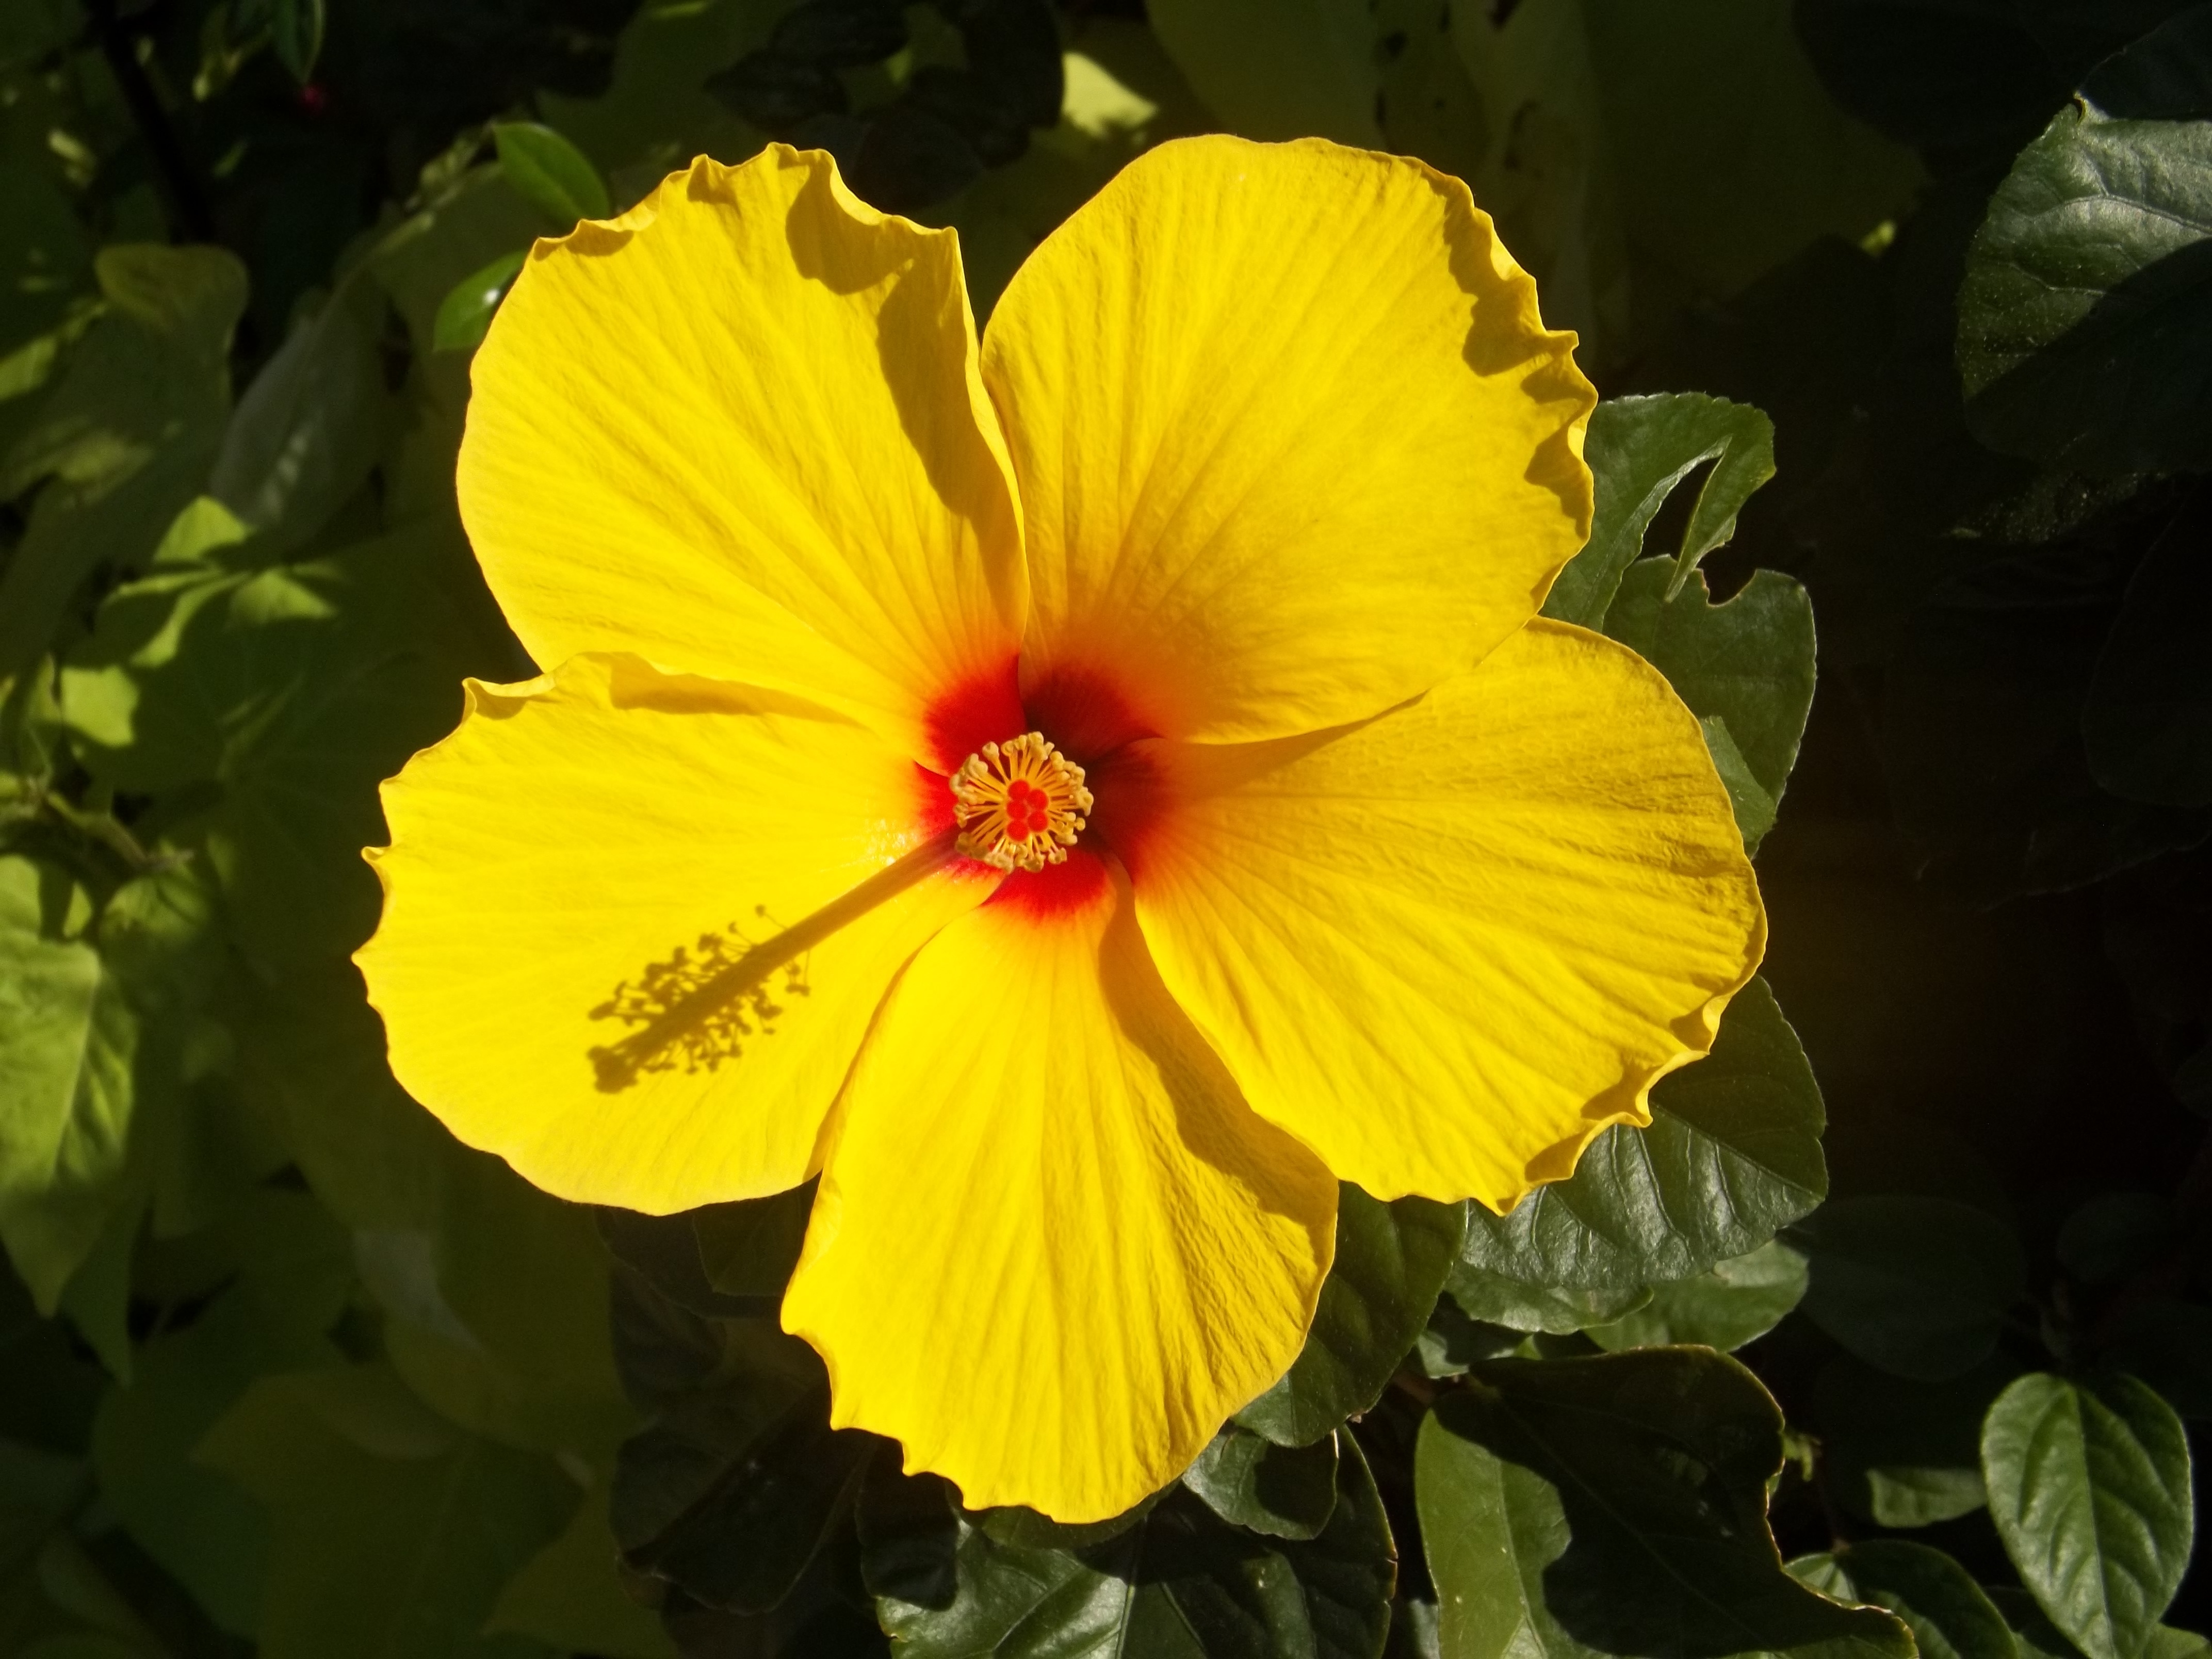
x=121, y=51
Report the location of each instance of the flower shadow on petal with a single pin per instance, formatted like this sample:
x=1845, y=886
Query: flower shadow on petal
x=700, y=1006
x=1283, y=1175
x=833, y=244
x=1490, y=350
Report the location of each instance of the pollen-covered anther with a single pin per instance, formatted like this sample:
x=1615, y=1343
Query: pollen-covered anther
x=1020, y=803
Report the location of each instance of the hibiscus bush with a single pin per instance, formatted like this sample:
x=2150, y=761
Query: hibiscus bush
x=1888, y=1335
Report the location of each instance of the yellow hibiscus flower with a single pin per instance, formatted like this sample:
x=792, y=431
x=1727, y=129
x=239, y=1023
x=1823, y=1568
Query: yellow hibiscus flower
x=1082, y=796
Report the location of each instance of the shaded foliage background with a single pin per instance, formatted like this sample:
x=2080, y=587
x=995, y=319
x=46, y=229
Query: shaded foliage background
x=1904, y=313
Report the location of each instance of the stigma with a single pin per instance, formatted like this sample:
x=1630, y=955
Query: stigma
x=1020, y=803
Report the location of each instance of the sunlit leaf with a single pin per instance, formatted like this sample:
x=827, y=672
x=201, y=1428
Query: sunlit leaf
x=1390, y=1264
x=1181, y=1583
x=1732, y=1302
x=2089, y=1487
x=1618, y=1505
x=1732, y=1156
x=1639, y=449
x=1948, y=1613
x=464, y=314
x=2088, y=294
x=549, y=171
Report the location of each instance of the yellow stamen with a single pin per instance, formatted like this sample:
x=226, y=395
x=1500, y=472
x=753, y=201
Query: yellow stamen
x=1020, y=803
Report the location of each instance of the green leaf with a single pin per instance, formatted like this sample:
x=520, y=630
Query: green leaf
x=750, y=1248
x=464, y=314
x=93, y=1057
x=2039, y=1639
x=296, y=690
x=2148, y=723
x=1946, y=1610
x=550, y=172
x=2089, y=1487
x=1915, y=1285
x=1733, y=1154
x=1902, y=1453
x=1284, y=1492
x=1640, y=158
x=392, y=1531
x=1618, y=1505
x=295, y=31
x=730, y=1495
x=125, y=438
x=1495, y=1300
x=1734, y=1303
x=1746, y=664
x=1390, y=1264
x=569, y=1597
x=1180, y=1584
x=1452, y=1341
x=1638, y=449
x=306, y=434
x=1269, y=68
x=205, y=1531
x=2086, y=298
x=666, y=1249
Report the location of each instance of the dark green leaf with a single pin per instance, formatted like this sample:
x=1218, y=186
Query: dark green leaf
x=731, y=1494
x=296, y=689
x=1734, y=1303
x=2168, y=1343
x=392, y=1531
x=308, y=430
x=1180, y=1584
x=297, y=1270
x=1284, y=1492
x=2088, y=298
x=1982, y=733
x=2148, y=719
x=464, y=314
x=1733, y=1154
x=750, y=1248
x=1495, y=1300
x=2089, y=1487
x=1618, y=1505
x=551, y=173
x=1902, y=1453
x=2116, y=1234
x=1452, y=1341
x=1919, y=1287
x=296, y=30
x=570, y=1596
x=126, y=436
x=665, y=1249
x=1938, y=1600
x=1390, y=1264
x=1274, y=70
x=840, y=33
x=1746, y=663
x=1639, y=448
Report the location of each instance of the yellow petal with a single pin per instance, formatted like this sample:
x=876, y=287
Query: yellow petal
x=739, y=432
x=574, y=877
x=1446, y=947
x=1292, y=443
x=1053, y=1249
